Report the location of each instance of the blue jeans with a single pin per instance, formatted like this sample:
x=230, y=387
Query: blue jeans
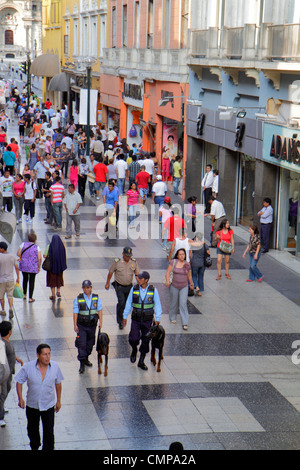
x=253, y=269
x=132, y=214
x=57, y=212
x=158, y=201
x=99, y=185
x=176, y=185
x=121, y=182
x=198, y=275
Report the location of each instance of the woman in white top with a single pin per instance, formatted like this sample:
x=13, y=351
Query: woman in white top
x=182, y=242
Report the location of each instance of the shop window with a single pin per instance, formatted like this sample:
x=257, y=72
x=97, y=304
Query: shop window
x=246, y=190
x=9, y=37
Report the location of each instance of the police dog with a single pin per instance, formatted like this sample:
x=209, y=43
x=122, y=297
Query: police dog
x=156, y=335
x=102, y=348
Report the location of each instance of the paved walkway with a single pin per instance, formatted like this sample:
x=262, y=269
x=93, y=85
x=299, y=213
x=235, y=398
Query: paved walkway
x=227, y=383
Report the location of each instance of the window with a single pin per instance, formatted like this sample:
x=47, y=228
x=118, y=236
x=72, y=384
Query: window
x=67, y=39
x=125, y=29
x=75, y=45
x=167, y=21
x=150, y=32
x=94, y=38
x=102, y=35
x=137, y=25
x=9, y=37
x=114, y=27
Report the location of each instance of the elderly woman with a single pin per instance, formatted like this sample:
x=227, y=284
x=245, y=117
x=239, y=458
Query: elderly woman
x=30, y=264
x=179, y=288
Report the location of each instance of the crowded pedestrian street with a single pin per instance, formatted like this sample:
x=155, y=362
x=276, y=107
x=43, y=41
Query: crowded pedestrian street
x=231, y=381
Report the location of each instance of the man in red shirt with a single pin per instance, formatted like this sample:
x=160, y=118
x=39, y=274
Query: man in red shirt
x=174, y=226
x=142, y=179
x=101, y=174
x=48, y=104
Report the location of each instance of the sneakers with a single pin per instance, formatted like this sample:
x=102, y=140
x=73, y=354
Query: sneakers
x=11, y=313
x=259, y=280
x=2, y=423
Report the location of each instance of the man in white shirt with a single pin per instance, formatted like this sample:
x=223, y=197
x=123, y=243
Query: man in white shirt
x=215, y=186
x=207, y=184
x=121, y=167
x=6, y=183
x=159, y=191
x=54, y=122
x=72, y=202
x=149, y=165
x=266, y=219
x=111, y=135
x=218, y=215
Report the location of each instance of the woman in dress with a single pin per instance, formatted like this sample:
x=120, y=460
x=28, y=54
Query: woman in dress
x=254, y=247
x=179, y=288
x=57, y=253
x=30, y=264
x=224, y=234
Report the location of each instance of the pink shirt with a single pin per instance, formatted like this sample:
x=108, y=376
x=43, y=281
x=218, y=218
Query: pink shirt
x=133, y=197
x=73, y=172
x=19, y=187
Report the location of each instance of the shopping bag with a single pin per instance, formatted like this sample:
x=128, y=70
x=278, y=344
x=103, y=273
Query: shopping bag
x=18, y=291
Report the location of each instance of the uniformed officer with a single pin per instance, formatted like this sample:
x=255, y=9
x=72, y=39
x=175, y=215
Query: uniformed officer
x=144, y=301
x=123, y=269
x=87, y=310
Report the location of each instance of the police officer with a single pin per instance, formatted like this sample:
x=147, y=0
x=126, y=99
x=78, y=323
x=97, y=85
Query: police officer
x=144, y=301
x=123, y=269
x=87, y=310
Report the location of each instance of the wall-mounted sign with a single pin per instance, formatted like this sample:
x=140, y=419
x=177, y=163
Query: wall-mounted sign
x=133, y=93
x=281, y=146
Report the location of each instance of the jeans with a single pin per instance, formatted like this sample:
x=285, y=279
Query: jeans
x=179, y=298
x=158, y=201
x=198, y=275
x=132, y=214
x=57, y=212
x=265, y=230
x=76, y=220
x=254, y=272
x=19, y=207
x=49, y=209
x=99, y=185
x=176, y=185
x=92, y=189
x=121, y=183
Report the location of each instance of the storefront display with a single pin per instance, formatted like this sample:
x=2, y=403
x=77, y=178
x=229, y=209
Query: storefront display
x=245, y=215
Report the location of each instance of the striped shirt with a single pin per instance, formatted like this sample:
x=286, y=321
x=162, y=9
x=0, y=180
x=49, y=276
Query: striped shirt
x=57, y=190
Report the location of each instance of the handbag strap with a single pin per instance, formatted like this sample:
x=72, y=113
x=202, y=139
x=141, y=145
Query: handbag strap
x=27, y=248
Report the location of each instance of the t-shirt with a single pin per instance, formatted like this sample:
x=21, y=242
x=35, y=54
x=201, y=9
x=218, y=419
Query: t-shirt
x=57, y=190
x=14, y=148
x=176, y=169
x=6, y=186
x=29, y=190
x=133, y=197
x=174, y=225
x=71, y=201
x=121, y=167
x=100, y=171
x=225, y=236
x=19, y=187
x=149, y=165
x=7, y=264
x=142, y=179
x=111, y=197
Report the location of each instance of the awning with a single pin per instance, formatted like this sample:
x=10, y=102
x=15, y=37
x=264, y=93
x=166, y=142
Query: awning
x=45, y=65
x=59, y=82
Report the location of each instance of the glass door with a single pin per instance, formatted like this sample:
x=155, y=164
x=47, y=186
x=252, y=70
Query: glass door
x=246, y=191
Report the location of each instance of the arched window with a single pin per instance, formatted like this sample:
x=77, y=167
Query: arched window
x=9, y=37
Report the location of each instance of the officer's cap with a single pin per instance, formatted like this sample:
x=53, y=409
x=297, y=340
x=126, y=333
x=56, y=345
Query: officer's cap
x=143, y=275
x=86, y=284
x=127, y=251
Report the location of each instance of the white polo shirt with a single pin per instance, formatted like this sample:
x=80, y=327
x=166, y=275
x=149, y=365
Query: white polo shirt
x=217, y=209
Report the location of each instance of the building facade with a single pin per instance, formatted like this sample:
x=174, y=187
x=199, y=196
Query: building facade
x=243, y=113
x=20, y=30
x=144, y=73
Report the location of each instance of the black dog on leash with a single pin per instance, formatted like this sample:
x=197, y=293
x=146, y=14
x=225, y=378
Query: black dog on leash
x=102, y=348
x=156, y=335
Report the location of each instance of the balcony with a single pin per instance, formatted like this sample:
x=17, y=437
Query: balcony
x=158, y=64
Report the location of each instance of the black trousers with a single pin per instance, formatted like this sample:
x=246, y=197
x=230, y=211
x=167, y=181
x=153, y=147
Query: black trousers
x=33, y=428
x=122, y=294
x=31, y=278
x=138, y=332
x=29, y=207
x=85, y=340
x=207, y=193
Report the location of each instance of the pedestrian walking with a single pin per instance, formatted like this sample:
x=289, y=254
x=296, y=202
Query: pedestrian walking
x=225, y=247
x=44, y=388
x=144, y=302
x=57, y=194
x=179, y=287
x=87, y=312
x=58, y=262
x=123, y=271
x=30, y=257
x=132, y=203
x=18, y=188
x=199, y=250
x=30, y=195
x=8, y=263
x=72, y=202
x=254, y=249
x=5, y=333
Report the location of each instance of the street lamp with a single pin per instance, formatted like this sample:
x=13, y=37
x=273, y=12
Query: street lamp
x=28, y=75
x=88, y=63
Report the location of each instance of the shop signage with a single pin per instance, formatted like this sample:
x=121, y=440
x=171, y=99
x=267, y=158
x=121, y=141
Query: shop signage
x=281, y=146
x=133, y=93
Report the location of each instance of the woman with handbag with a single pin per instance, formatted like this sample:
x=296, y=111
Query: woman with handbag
x=225, y=247
x=30, y=264
x=254, y=247
x=179, y=287
x=199, y=252
x=56, y=252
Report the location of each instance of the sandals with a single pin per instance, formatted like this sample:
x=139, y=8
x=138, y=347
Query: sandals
x=227, y=276
x=218, y=278
x=31, y=300
x=58, y=294
x=52, y=298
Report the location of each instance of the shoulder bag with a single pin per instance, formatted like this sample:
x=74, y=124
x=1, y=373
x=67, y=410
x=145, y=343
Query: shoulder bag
x=224, y=246
x=170, y=275
x=207, y=258
x=47, y=263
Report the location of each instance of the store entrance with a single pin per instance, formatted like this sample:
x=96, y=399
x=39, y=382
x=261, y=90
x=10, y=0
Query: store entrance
x=289, y=230
x=246, y=190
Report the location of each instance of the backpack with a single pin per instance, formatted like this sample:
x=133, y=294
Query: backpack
x=133, y=132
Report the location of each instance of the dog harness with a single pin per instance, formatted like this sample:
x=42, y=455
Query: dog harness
x=143, y=310
x=87, y=316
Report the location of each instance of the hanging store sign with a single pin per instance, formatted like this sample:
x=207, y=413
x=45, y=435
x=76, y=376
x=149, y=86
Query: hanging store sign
x=133, y=94
x=281, y=146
